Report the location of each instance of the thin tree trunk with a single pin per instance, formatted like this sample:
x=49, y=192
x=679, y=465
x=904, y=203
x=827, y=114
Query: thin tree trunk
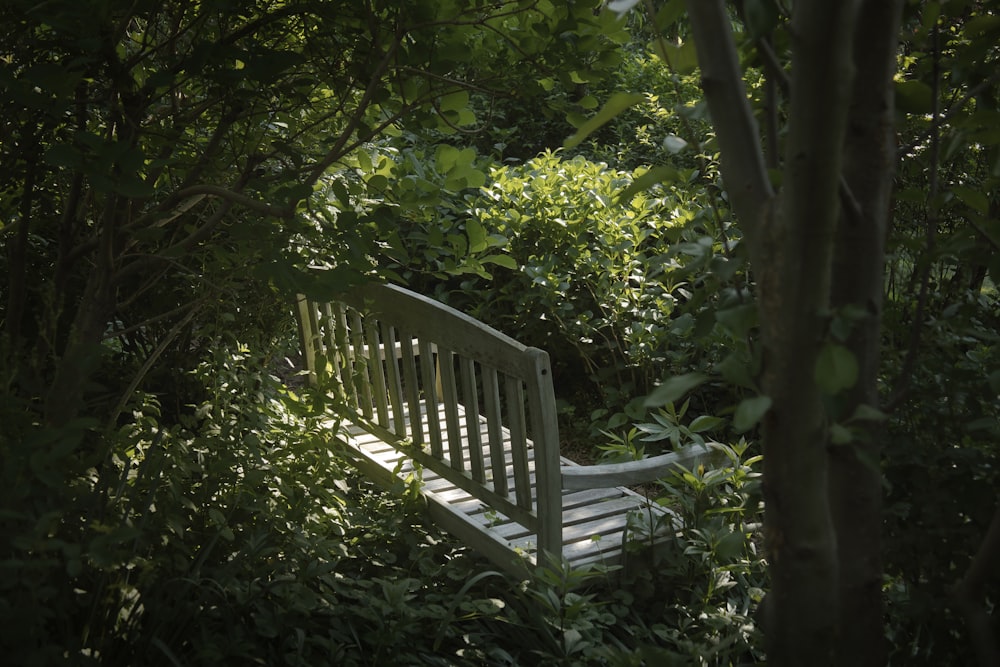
x=791, y=249
x=794, y=293
x=858, y=283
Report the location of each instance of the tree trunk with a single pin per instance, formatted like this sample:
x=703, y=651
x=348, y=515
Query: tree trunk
x=791, y=244
x=858, y=284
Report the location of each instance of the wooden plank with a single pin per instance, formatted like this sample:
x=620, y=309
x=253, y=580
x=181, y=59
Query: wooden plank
x=495, y=430
x=376, y=371
x=517, y=433
x=344, y=353
x=394, y=385
x=429, y=385
x=545, y=432
x=473, y=425
x=411, y=386
x=591, y=513
x=449, y=399
x=637, y=472
x=359, y=364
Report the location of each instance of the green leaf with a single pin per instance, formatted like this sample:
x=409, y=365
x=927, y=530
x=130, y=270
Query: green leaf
x=705, y=423
x=974, y=199
x=63, y=155
x=505, y=261
x=730, y=546
x=840, y=434
x=647, y=180
x=866, y=412
x=736, y=370
x=913, y=97
x=762, y=17
x=994, y=380
x=669, y=14
x=738, y=319
x=614, y=106
x=477, y=235
x=836, y=368
x=674, y=389
x=750, y=411
x=681, y=58
x=455, y=101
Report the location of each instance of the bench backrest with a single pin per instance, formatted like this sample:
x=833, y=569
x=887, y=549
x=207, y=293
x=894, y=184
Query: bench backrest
x=447, y=389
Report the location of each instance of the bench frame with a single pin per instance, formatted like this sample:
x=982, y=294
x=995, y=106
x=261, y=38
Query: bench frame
x=421, y=386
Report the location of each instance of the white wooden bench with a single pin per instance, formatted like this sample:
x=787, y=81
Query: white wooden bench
x=420, y=385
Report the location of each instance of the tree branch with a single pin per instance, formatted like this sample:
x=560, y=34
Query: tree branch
x=743, y=165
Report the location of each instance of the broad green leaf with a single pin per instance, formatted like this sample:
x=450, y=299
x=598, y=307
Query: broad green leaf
x=669, y=13
x=477, y=235
x=736, y=370
x=63, y=155
x=455, y=101
x=614, y=106
x=840, y=434
x=681, y=58
x=730, y=546
x=706, y=423
x=869, y=413
x=750, y=411
x=762, y=17
x=738, y=319
x=836, y=368
x=674, y=389
x=994, y=380
x=445, y=158
x=913, y=96
x=972, y=198
x=982, y=25
x=647, y=180
x=505, y=261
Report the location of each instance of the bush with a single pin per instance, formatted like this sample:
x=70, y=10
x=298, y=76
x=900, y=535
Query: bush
x=622, y=286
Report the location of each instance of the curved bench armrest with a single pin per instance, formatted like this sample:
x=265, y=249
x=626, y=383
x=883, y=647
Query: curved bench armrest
x=608, y=475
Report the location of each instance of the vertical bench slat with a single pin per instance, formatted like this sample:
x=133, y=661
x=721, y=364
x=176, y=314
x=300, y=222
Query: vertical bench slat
x=376, y=371
x=359, y=364
x=394, y=386
x=345, y=354
x=545, y=435
x=325, y=338
x=411, y=387
x=514, y=391
x=449, y=394
x=430, y=397
x=470, y=399
x=308, y=333
x=494, y=429
x=332, y=350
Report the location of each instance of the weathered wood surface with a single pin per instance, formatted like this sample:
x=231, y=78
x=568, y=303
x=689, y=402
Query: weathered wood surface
x=421, y=384
x=593, y=519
